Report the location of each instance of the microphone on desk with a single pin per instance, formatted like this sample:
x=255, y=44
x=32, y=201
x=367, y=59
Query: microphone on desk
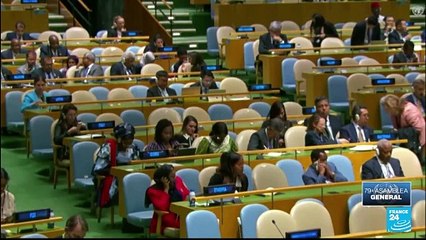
x=273, y=222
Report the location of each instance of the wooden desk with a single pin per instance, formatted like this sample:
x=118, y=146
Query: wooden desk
x=416, y=232
x=316, y=82
x=272, y=63
x=35, y=20
x=38, y=225
x=334, y=196
x=371, y=100
x=234, y=52
x=202, y=161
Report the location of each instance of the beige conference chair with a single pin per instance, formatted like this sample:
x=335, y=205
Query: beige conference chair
x=301, y=65
x=265, y=227
x=120, y=94
x=109, y=117
x=163, y=112
x=259, y=27
x=366, y=218
x=288, y=25
x=200, y=114
x=77, y=33
x=295, y=136
x=418, y=214
x=234, y=85
x=293, y=108
x=302, y=214
x=44, y=36
x=205, y=175
x=83, y=96
x=332, y=42
x=267, y=175
x=302, y=42
x=79, y=52
x=243, y=139
x=151, y=69
x=111, y=54
x=410, y=163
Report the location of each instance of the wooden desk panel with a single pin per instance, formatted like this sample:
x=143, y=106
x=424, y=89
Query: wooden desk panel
x=35, y=20
x=357, y=158
x=234, y=50
x=272, y=63
x=317, y=84
x=336, y=204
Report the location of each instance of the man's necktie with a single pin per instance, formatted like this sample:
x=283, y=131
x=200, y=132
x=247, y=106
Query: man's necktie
x=129, y=72
x=360, y=136
x=389, y=173
x=329, y=130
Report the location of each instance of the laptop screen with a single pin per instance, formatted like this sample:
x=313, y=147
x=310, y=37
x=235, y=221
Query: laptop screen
x=212, y=67
x=310, y=233
x=219, y=189
x=100, y=125
x=59, y=99
x=32, y=215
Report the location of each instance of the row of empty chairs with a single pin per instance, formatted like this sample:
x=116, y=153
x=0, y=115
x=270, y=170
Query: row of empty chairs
x=255, y=219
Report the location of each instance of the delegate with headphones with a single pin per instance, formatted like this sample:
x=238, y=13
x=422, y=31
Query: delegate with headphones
x=358, y=130
x=382, y=165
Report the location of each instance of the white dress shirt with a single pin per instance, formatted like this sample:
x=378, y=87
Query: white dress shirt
x=387, y=169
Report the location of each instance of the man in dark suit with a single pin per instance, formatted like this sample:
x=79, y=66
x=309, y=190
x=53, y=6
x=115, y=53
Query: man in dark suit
x=54, y=49
x=271, y=39
x=4, y=73
x=407, y=54
x=400, y=34
x=206, y=82
x=268, y=137
x=125, y=67
x=321, y=171
x=161, y=89
x=118, y=27
x=90, y=69
x=382, y=165
x=418, y=96
x=15, y=48
x=18, y=33
x=357, y=130
x=332, y=123
x=366, y=31
x=47, y=71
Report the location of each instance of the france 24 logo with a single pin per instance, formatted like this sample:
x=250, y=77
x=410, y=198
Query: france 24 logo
x=398, y=219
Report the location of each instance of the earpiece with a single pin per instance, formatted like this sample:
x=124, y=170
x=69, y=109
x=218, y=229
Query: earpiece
x=356, y=113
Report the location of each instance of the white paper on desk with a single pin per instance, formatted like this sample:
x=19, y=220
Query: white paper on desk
x=273, y=154
x=361, y=148
x=239, y=98
x=88, y=136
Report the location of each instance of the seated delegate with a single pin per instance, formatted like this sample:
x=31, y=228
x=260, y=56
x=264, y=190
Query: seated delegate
x=321, y=171
x=34, y=98
x=316, y=133
x=218, y=141
x=163, y=139
x=267, y=137
x=230, y=171
x=188, y=133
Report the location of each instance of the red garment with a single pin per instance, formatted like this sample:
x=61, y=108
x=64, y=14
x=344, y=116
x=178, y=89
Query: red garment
x=161, y=201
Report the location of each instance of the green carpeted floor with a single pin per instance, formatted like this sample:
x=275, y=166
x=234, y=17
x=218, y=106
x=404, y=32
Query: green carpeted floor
x=29, y=182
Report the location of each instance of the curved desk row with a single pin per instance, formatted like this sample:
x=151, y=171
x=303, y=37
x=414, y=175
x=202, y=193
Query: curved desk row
x=37, y=226
x=334, y=196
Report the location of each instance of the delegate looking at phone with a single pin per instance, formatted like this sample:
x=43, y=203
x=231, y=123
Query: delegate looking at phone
x=321, y=171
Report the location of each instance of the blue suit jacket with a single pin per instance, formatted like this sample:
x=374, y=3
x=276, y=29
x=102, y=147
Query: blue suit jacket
x=348, y=132
x=372, y=170
x=394, y=38
x=335, y=123
x=311, y=175
x=411, y=98
x=8, y=54
x=312, y=138
x=265, y=42
x=12, y=35
x=45, y=50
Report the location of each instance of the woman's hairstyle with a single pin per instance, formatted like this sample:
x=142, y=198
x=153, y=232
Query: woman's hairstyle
x=73, y=57
x=392, y=102
x=227, y=162
x=317, y=20
x=159, y=128
x=74, y=220
x=4, y=174
x=164, y=171
x=197, y=61
x=219, y=128
x=205, y=73
x=38, y=78
x=314, y=119
x=275, y=110
x=65, y=109
x=186, y=121
x=154, y=38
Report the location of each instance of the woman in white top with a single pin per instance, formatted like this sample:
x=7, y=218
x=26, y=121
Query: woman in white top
x=7, y=199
